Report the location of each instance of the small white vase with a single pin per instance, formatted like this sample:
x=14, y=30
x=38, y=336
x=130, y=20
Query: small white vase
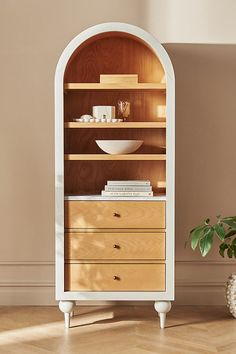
x=231, y=294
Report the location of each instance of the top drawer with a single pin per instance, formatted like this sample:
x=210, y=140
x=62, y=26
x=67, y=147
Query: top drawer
x=114, y=214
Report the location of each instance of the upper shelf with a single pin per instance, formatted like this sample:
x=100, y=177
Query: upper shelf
x=122, y=86
x=116, y=125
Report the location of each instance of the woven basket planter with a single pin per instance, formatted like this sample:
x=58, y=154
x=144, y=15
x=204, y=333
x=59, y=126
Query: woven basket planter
x=231, y=294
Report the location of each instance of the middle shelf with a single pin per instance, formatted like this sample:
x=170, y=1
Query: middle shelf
x=144, y=157
x=116, y=125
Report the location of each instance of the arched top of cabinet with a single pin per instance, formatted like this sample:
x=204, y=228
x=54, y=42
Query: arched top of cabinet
x=114, y=48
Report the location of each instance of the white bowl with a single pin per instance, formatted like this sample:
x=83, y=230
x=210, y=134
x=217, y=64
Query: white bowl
x=116, y=147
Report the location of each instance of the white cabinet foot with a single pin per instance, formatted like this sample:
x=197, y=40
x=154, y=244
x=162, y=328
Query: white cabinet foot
x=162, y=307
x=67, y=308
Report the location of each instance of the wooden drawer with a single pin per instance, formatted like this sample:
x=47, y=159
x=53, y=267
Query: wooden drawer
x=115, y=214
x=121, y=246
x=114, y=277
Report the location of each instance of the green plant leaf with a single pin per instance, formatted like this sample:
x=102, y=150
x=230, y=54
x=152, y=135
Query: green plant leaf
x=230, y=223
x=196, y=236
x=222, y=249
x=197, y=227
x=220, y=231
x=232, y=218
x=190, y=234
x=234, y=241
x=230, y=233
x=206, y=241
x=230, y=252
x=234, y=248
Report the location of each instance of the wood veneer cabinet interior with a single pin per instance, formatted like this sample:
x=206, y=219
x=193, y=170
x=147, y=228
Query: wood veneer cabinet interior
x=114, y=53
x=90, y=177
x=78, y=141
x=144, y=105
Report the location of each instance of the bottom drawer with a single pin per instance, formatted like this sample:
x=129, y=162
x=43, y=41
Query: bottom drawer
x=114, y=277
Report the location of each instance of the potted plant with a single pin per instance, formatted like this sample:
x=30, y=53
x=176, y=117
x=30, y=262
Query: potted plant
x=224, y=230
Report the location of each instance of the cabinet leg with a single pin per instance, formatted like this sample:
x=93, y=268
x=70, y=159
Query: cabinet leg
x=67, y=308
x=162, y=307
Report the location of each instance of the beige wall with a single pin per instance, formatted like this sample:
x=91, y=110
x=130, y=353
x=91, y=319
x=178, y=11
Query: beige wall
x=33, y=34
x=191, y=21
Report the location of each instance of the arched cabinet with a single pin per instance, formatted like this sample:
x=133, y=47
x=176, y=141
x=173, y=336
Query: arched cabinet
x=112, y=247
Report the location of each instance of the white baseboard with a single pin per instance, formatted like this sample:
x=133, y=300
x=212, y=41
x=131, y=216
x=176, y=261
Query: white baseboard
x=32, y=283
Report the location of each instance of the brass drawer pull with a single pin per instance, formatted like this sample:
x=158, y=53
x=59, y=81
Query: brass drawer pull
x=116, y=246
x=116, y=277
x=117, y=215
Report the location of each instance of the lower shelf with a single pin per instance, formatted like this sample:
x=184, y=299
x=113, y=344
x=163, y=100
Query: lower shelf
x=114, y=277
x=107, y=157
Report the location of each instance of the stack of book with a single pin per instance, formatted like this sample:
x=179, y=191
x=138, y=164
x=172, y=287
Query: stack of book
x=136, y=188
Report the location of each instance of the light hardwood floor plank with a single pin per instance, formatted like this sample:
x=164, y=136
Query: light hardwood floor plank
x=118, y=330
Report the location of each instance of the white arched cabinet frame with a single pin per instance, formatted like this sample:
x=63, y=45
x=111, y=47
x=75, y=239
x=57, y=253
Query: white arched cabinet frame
x=67, y=298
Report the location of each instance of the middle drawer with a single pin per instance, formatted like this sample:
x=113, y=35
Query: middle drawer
x=98, y=246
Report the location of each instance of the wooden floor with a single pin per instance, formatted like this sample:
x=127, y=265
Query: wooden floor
x=118, y=330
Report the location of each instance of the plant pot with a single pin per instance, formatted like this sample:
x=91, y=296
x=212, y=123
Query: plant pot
x=231, y=294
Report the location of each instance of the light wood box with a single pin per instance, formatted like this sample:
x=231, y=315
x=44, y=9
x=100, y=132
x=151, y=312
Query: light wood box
x=114, y=214
x=114, y=246
x=119, y=79
x=114, y=277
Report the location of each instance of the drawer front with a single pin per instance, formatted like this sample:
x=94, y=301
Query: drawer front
x=114, y=277
x=119, y=246
x=115, y=214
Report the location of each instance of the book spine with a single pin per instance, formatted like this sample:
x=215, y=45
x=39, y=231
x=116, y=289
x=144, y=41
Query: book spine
x=127, y=194
x=131, y=188
x=139, y=183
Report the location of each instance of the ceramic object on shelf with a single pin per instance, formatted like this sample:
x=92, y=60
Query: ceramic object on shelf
x=116, y=147
x=104, y=112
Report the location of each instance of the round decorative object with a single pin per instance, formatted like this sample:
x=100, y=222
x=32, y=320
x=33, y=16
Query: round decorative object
x=231, y=294
x=116, y=147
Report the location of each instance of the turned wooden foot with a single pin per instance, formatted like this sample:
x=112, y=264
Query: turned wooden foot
x=162, y=307
x=67, y=308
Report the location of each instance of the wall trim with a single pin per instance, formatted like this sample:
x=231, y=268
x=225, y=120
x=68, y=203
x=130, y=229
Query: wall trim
x=44, y=295
x=52, y=285
x=197, y=262
x=207, y=263
x=26, y=284
x=25, y=263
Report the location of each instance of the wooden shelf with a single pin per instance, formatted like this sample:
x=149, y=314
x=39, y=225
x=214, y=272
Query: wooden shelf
x=116, y=125
x=100, y=197
x=137, y=157
x=126, y=86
